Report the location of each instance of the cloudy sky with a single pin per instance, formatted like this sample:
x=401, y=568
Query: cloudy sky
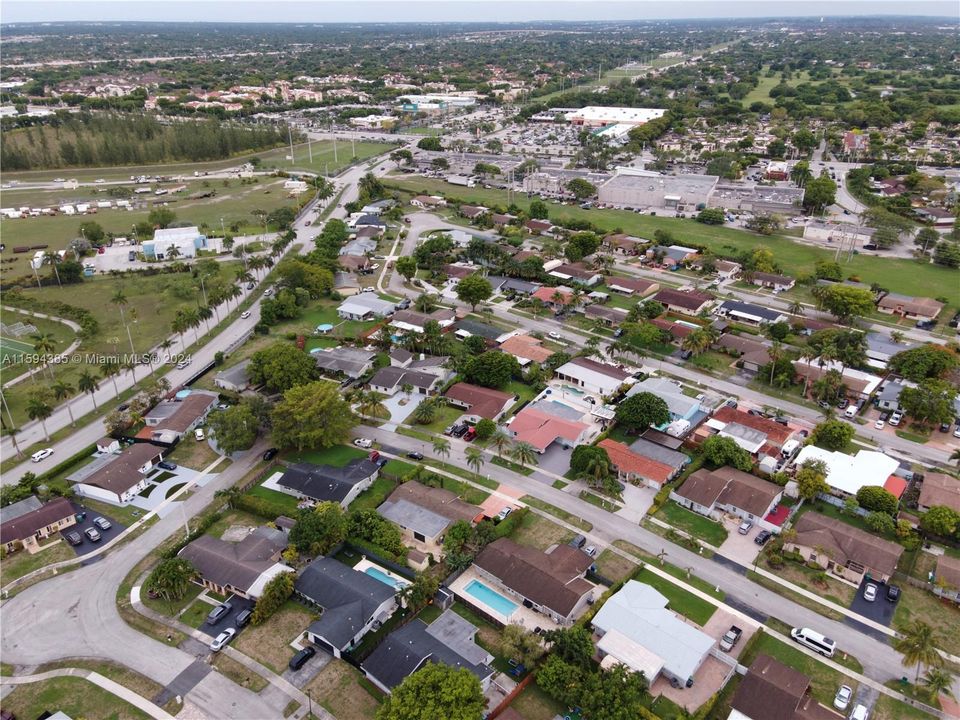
x=447, y=10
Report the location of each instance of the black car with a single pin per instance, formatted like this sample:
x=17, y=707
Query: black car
x=460, y=430
x=243, y=617
x=218, y=613
x=686, y=354
x=167, y=465
x=944, y=427
x=74, y=538
x=893, y=593
x=123, y=406
x=762, y=537
x=843, y=404
x=300, y=659
x=415, y=455
x=270, y=454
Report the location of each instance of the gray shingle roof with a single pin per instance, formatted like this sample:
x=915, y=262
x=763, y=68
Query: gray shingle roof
x=325, y=482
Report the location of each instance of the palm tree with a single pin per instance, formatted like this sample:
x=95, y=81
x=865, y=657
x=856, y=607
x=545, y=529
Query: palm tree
x=110, y=369
x=12, y=432
x=40, y=408
x=244, y=276
x=441, y=446
x=425, y=303
x=938, y=682
x=897, y=336
x=87, y=383
x=956, y=456
x=501, y=441
x=179, y=326
x=205, y=313
x=120, y=300
x=775, y=351
x=62, y=390
x=53, y=260
x=44, y=345
x=475, y=459
x=524, y=453
x=596, y=470
x=796, y=308
x=371, y=405
x=918, y=645
x=173, y=253
x=696, y=342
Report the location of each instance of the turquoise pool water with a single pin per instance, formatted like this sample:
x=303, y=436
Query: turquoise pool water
x=491, y=598
x=380, y=575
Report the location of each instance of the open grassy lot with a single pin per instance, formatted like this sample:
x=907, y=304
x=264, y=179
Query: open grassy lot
x=557, y=512
x=230, y=518
x=323, y=158
x=536, y=531
x=690, y=522
x=679, y=600
x=337, y=456
x=270, y=643
x=143, y=686
x=76, y=697
x=12, y=359
x=904, y=276
x=238, y=673
x=888, y=708
x=288, y=502
x=344, y=692
x=534, y=704
x=21, y=562
x=446, y=416
x=195, y=454
x=824, y=680
x=944, y=617
x=613, y=566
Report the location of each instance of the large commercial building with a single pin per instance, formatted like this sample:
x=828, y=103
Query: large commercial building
x=186, y=240
x=596, y=116
x=649, y=190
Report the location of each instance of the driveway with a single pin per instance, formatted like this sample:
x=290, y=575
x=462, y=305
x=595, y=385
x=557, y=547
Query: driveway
x=160, y=489
x=401, y=406
x=636, y=502
x=555, y=459
x=229, y=620
x=880, y=610
x=740, y=548
x=88, y=546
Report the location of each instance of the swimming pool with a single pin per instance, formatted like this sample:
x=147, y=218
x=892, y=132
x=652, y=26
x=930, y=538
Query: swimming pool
x=491, y=598
x=380, y=575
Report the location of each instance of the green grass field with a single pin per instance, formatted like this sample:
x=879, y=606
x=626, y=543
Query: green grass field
x=319, y=157
x=74, y=696
x=904, y=276
x=690, y=522
x=11, y=349
x=678, y=599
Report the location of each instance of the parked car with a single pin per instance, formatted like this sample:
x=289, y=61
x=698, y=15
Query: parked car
x=363, y=442
x=879, y=425
x=270, y=453
x=502, y=515
x=944, y=427
x=93, y=535
x=218, y=613
x=896, y=418
x=730, y=638
x=245, y=314
x=842, y=405
x=199, y=435
x=166, y=465
x=870, y=592
x=762, y=537
x=42, y=454
x=578, y=541
x=590, y=550
x=460, y=430
x=74, y=538
x=860, y=712
x=415, y=455
x=243, y=617
x=893, y=593
x=745, y=527
x=250, y=286
x=300, y=659
x=221, y=640
x=554, y=335
x=842, y=699
x=102, y=523
x=470, y=434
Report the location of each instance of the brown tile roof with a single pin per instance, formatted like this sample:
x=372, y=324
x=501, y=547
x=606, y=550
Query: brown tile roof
x=611, y=371
x=746, y=491
x=627, y=461
x=502, y=219
x=481, y=401
x=436, y=500
x=553, y=580
x=545, y=294
x=638, y=285
x=578, y=271
x=236, y=564
x=123, y=472
x=526, y=347
x=702, y=488
x=190, y=408
x=775, y=432
x=691, y=300
x=459, y=271
x=677, y=330
x=940, y=489
x=622, y=240
x=845, y=543
x=920, y=305
x=948, y=570
x=613, y=314
x=353, y=262
x=29, y=523
x=761, y=278
x=770, y=690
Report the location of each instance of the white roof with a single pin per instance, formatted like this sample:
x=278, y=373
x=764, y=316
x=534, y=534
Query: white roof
x=671, y=393
x=256, y=590
x=628, y=115
x=619, y=648
x=591, y=377
x=365, y=302
x=849, y=473
x=175, y=234
x=639, y=612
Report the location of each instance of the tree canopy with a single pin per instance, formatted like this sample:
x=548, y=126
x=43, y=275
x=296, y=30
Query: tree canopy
x=281, y=366
x=314, y=415
x=640, y=411
x=435, y=691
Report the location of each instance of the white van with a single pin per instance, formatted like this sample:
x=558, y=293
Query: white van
x=814, y=640
x=198, y=434
x=851, y=411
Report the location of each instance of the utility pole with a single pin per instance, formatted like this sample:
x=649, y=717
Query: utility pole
x=310, y=149
x=335, y=148
x=290, y=138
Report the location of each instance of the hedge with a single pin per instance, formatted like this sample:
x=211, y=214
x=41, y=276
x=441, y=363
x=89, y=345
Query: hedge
x=201, y=527
x=506, y=526
x=68, y=463
x=267, y=509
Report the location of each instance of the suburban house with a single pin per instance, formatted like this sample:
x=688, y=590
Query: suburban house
x=749, y=313
x=637, y=469
x=671, y=256
x=352, y=602
x=843, y=549
x=526, y=349
x=728, y=490
x=623, y=244
x=480, y=402
x=411, y=321
x=848, y=473
x=550, y=583
x=26, y=524
x=391, y=379
x=858, y=383
x=344, y=361
x=577, y=273
x=500, y=220
x=170, y=243
x=322, y=483
x=888, y=397
x=773, y=691
x=424, y=514
x=449, y=640
x=365, y=306
x=914, y=308
x=685, y=411
x=947, y=578
x=607, y=315
x=428, y=201
x=554, y=297
x=772, y=281
x=593, y=376
x=939, y=489
x=354, y=263
x=881, y=348
x=244, y=567
x=538, y=227
x=668, y=455
x=541, y=429
x=727, y=269
x=170, y=420
x=678, y=329
x=117, y=479
x=108, y=446
x=632, y=286
x=686, y=302
x=755, y=434
x=752, y=354
x=234, y=379
x=637, y=630
x=472, y=212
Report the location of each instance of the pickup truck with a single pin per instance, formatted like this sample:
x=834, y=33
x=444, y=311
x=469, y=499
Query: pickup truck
x=730, y=639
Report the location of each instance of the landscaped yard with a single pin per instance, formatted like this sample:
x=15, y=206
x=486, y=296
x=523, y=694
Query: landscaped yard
x=270, y=643
x=557, y=512
x=714, y=362
x=446, y=416
x=372, y=497
x=171, y=607
x=287, y=502
x=536, y=531
x=21, y=562
x=76, y=697
x=126, y=515
x=679, y=600
x=344, y=692
x=534, y=704
x=692, y=523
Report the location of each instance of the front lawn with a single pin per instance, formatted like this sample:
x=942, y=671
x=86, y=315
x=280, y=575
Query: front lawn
x=692, y=523
x=613, y=566
x=171, y=607
x=277, y=498
x=336, y=456
x=536, y=531
x=21, y=562
x=372, y=497
x=344, y=692
x=194, y=454
x=446, y=416
x=943, y=617
x=713, y=362
x=73, y=696
x=269, y=643
x=678, y=599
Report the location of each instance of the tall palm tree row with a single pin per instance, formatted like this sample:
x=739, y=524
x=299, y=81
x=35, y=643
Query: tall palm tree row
x=87, y=383
x=40, y=407
x=62, y=390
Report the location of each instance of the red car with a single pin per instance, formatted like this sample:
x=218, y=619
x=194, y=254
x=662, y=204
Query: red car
x=101, y=250
x=470, y=434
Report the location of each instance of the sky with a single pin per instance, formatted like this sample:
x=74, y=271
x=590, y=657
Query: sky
x=297, y=11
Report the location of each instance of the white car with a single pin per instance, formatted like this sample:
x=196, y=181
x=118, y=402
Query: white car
x=842, y=700
x=222, y=639
x=555, y=335
x=860, y=712
x=879, y=425
x=245, y=314
x=363, y=442
x=42, y=454
x=100, y=181
x=896, y=418
x=870, y=592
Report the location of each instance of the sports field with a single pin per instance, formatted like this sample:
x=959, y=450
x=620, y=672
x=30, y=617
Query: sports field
x=11, y=350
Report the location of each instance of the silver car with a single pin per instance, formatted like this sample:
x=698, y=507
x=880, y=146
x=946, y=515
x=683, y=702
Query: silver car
x=222, y=639
x=842, y=699
x=870, y=592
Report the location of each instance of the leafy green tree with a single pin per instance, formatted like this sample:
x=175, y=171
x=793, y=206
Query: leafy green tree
x=640, y=411
x=947, y=254
x=930, y=402
x=407, y=266
x=573, y=645
x=819, y=193
x=314, y=415
x=431, y=143
x=171, y=578
x=92, y=232
x=538, y=210
x=711, y=216
x=372, y=527
x=812, y=479
x=845, y=301
x=420, y=591
x=885, y=237
x=161, y=217
x=518, y=643
x=435, y=691
x=880, y=522
x=319, y=528
x=581, y=188
x=492, y=369
x=473, y=290
x=282, y=218
x=878, y=499
x=485, y=429
x=275, y=593
x=281, y=366
x=720, y=451
x=235, y=428
x=584, y=456
x=832, y=434
x=940, y=520
x=580, y=245
x=925, y=361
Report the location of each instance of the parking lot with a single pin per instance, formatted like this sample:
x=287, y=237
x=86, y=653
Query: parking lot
x=229, y=620
x=880, y=610
x=88, y=545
